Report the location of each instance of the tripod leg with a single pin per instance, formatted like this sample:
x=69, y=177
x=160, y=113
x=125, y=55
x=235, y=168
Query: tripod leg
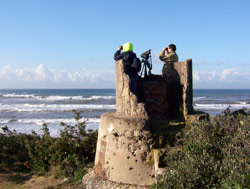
x=142, y=71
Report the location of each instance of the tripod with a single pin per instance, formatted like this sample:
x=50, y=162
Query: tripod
x=147, y=64
x=144, y=70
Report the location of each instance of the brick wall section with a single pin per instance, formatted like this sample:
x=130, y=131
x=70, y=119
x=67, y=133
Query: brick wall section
x=155, y=97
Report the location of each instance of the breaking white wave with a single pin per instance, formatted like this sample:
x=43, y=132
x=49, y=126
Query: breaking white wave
x=221, y=106
x=5, y=121
x=56, y=97
x=199, y=98
x=243, y=103
x=59, y=98
x=14, y=95
x=29, y=125
x=55, y=121
x=52, y=107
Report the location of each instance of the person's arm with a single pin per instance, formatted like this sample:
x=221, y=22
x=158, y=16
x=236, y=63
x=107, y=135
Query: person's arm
x=162, y=55
x=118, y=55
x=166, y=57
x=169, y=58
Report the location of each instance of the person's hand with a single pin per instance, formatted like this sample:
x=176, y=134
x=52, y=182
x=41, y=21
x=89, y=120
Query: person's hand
x=165, y=49
x=119, y=48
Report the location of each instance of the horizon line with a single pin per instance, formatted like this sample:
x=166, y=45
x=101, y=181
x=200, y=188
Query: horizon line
x=111, y=88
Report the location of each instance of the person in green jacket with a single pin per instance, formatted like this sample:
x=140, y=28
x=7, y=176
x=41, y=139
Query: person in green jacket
x=168, y=56
x=170, y=75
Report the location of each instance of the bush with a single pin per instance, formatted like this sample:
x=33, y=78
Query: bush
x=13, y=152
x=210, y=154
x=67, y=155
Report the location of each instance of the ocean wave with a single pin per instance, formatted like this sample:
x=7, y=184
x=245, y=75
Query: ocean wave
x=28, y=125
x=55, y=121
x=56, y=97
x=199, y=98
x=221, y=106
x=14, y=95
x=5, y=121
x=243, y=103
x=53, y=107
x=59, y=98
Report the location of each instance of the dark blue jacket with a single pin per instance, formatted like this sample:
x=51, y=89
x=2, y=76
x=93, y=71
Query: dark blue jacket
x=128, y=58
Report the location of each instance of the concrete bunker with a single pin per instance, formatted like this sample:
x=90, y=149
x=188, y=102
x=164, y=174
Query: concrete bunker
x=162, y=98
x=125, y=153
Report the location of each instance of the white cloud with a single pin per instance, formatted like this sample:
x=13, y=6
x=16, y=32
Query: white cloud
x=228, y=74
x=199, y=76
x=196, y=76
x=59, y=75
x=228, y=78
x=42, y=73
x=43, y=77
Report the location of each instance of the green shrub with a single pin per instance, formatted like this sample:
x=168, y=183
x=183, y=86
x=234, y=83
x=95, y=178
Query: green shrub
x=210, y=154
x=38, y=148
x=13, y=153
x=67, y=155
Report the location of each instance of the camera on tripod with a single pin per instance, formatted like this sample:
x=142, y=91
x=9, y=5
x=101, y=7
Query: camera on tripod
x=147, y=66
x=146, y=54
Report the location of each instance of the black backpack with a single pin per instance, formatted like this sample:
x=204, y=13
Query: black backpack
x=136, y=64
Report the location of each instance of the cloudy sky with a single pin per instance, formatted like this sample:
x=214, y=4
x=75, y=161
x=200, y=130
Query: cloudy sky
x=70, y=43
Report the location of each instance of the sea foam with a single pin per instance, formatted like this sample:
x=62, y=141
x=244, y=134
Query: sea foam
x=56, y=97
x=53, y=107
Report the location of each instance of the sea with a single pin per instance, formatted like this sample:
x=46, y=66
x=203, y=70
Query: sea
x=25, y=110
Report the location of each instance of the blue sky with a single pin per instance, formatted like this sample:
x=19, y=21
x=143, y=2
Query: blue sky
x=70, y=43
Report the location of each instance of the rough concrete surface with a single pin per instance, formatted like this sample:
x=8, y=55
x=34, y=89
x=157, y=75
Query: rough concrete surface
x=184, y=70
x=122, y=153
x=93, y=181
x=126, y=102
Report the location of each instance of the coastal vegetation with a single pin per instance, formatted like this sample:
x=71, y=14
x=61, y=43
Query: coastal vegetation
x=211, y=153
x=66, y=156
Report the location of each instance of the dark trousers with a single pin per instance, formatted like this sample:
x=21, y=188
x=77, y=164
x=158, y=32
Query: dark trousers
x=133, y=83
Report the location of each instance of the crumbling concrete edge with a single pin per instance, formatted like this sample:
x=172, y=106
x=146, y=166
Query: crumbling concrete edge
x=91, y=181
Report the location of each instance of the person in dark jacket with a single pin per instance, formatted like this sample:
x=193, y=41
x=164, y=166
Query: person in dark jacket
x=128, y=57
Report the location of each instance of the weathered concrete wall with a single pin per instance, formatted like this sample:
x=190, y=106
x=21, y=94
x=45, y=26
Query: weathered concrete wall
x=184, y=70
x=122, y=153
x=126, y=102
